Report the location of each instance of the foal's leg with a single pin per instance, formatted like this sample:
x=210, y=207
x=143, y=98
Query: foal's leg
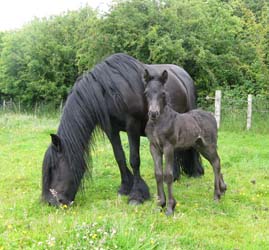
x=140, y=190
x=211, y=154
x=158, y=169
x=126, y=175
x=168, y=177
x=223, y=186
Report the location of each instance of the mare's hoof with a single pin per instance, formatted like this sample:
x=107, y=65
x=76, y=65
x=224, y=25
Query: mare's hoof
x=198, y=173
x=134, y=202
x=139, y=193
x=124, y=189
x=123, y=192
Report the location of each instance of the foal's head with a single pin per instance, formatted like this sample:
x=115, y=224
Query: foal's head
x=155, y=93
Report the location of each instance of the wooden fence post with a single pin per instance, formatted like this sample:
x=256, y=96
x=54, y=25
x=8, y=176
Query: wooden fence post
x=218, y=106
x=35, y=110
x=249, y=114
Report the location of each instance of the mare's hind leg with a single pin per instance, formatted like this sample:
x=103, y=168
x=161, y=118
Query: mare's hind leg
x=158, y=169
x=168, y=177
x=140, y=190
x=126, y=175
x=211, y=154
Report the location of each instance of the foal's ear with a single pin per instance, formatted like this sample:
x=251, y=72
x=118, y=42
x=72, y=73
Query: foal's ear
x=56, y=142
x=163, y=78
x=147, y=76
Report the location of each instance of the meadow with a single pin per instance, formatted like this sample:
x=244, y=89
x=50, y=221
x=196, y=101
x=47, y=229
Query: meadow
x=100, y=219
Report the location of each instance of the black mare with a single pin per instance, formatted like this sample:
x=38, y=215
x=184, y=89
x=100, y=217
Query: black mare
x=168, y=130
x=111, y=97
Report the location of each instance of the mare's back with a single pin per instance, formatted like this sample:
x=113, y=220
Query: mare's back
x=120, y=78
x=179, y=86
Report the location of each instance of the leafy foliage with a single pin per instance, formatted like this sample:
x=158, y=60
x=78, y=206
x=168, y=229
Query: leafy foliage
x=39, y=62
x=222, y=44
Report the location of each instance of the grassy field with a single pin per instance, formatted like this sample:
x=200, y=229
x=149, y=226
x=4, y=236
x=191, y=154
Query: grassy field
x=100, y=219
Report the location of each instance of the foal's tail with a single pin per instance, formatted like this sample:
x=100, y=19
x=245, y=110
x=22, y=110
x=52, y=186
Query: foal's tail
x=189, y=162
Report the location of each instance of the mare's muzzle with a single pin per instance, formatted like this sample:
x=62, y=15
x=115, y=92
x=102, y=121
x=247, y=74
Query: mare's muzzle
x=59, y=199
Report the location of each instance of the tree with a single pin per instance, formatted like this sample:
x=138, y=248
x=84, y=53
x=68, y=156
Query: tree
x=39, y=62
x=222, y=44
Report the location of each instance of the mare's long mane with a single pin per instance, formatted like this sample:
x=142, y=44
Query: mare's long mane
x=86, y=106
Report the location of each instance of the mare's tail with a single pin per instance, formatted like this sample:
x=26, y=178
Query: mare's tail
x=189, y=162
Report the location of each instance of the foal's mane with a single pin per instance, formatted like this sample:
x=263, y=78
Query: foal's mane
x=86, y=106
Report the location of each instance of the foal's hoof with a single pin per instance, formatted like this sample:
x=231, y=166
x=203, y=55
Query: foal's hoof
x=223, y=188
x=135, y=202
x=217, y=197
x=159, y=209
x=161, y=204
x=169, y=212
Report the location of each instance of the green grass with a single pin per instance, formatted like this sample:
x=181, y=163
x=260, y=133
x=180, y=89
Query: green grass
x=100, y=219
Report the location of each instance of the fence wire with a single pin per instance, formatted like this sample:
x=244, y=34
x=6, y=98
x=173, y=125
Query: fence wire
x=234, y=113
x=39, y=109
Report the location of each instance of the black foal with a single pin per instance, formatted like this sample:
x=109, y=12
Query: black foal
x=168, y=130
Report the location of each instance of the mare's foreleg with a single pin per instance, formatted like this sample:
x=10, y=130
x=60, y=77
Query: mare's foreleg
x=126, y=175
x=168, y=177
x=140, y=190
x=158, y=169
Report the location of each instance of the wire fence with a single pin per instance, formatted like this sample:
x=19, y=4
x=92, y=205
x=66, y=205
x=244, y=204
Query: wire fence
x=233, y=111
x=39, y=109
x=241, y=113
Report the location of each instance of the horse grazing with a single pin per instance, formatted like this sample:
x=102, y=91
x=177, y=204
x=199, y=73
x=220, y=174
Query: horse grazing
x=168, y=130
x=111, y=97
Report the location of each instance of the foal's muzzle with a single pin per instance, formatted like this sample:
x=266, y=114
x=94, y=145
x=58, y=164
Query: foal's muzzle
x=153, y=114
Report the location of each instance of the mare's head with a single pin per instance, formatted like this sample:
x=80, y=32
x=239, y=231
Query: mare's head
x=155, y=93
x=59, y=184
